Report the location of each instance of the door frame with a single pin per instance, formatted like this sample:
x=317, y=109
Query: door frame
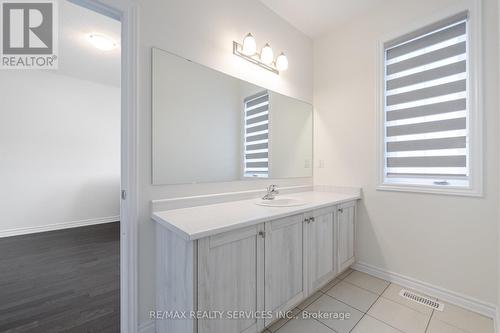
x=127, y=13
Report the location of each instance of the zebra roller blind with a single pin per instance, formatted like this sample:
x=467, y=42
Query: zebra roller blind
x=256, y=152
x=426, y=105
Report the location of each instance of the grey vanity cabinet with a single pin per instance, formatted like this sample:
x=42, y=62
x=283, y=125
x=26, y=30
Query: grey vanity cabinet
x=321, y=247
x=230, y=278
x=345, y=230
x=284, y=260
x=261, y=269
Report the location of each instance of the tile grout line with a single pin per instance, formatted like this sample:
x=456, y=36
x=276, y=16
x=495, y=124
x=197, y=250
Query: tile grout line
x=342, y=279
x=381, y=296
x=390, y=300
x=322, y=323
x=325, y=294
x=352, y=284
x=383, y=322
x=429, y=322
x=377, y=319
x=318, y=321
x=365, y=313
x=349, y=305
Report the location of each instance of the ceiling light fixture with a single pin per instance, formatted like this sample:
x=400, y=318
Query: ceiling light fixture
x=102, y=42
x=265, y=59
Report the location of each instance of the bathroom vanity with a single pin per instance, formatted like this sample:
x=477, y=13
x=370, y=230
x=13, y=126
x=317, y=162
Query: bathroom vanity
x=232, y=266
x=230, y=263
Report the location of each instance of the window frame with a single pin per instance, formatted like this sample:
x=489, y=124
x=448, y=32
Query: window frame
x=475, y=111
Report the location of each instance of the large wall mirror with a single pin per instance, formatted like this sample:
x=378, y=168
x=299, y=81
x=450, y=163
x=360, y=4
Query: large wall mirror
x=211, y=127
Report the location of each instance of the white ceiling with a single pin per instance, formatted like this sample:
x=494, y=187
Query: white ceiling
x=315, y=17
x=79, y=58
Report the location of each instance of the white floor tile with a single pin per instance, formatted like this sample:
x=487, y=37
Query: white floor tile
x=436, y=326
x=367, y=282
x=281, y=322
x=371, y=325
x=399, y=316
x=345, y=274
x=329, y=285
x=392, y=293
x=304, y=326
x=464, y=319
x=341, y=317
x=356, y=297
x=390, y=314
x=309, y=300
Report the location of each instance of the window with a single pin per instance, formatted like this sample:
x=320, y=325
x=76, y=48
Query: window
x=427, y=109
x=256, y=137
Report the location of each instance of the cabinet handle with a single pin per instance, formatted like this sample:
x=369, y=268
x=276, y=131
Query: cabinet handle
x=313, y=219
x=308, y=220
x=262, y=234
x=341, y=210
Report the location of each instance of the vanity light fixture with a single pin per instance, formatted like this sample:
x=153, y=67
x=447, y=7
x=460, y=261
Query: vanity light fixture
x=249, y=47
x=102, y=42
x=282, y=62
x=266, y=55
x=265, y=59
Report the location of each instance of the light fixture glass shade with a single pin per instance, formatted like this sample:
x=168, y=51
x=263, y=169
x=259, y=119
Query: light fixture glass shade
x=282, y=62
x=102, y=42
x=249, y=45
x=266, y=55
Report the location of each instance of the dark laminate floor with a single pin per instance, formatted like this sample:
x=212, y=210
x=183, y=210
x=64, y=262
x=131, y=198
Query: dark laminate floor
x=61, y=281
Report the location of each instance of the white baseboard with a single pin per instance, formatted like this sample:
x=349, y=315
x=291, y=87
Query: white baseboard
x=57, y=226
x=466, y=302
x=147, y=327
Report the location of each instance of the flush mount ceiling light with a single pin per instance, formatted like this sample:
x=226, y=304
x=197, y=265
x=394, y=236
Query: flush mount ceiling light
x=102, y=42
x=265, y=59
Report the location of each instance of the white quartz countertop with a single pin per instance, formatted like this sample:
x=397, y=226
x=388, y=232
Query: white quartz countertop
x=202, y=221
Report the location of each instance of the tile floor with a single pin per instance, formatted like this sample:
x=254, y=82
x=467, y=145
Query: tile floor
x=375, y=307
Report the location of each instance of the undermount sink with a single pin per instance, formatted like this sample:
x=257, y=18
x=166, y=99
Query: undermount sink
x=281, y=202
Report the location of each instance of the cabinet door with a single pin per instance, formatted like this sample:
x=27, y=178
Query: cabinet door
x=321, y=247
x=284, y=282
x=345, y=231
x=230, y=278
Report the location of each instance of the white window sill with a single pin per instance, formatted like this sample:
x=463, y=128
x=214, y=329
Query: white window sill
x=443, y=190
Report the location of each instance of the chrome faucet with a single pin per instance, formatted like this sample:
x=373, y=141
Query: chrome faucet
x=272, y=190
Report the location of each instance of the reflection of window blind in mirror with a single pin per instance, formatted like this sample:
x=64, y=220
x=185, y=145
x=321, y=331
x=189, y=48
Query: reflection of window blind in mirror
x=426, y=115
x=256, y=152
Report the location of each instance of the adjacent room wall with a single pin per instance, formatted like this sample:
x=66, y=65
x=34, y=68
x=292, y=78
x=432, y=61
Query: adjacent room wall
x=447, y=241
x=203, y=31
x=291, y=134
x=196, y=122
x=60, y=152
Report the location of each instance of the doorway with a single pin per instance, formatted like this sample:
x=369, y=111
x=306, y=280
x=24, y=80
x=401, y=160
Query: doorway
x=61, y=143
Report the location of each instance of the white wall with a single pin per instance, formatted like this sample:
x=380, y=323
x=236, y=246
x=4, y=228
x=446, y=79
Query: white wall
x=447, y=241
x=203, y=31
x=497, y=323
x=59, y=148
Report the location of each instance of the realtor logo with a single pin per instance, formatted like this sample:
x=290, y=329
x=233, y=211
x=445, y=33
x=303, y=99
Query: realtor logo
x=29, y=34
